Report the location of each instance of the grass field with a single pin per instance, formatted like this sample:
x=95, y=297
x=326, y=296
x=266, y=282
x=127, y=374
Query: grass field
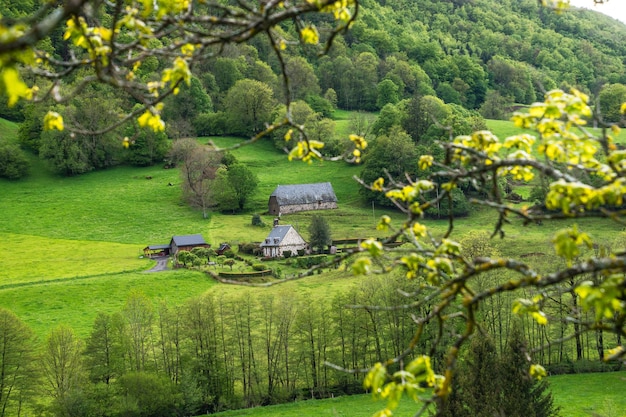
x=66, y=235
x=578, y=395
x=70, y=234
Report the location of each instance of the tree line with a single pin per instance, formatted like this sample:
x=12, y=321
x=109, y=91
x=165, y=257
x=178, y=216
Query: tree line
x=246, y=349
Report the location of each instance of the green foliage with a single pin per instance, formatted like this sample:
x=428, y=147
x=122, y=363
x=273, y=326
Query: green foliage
x=610, y=101
x=259, y=267
x=302, y=77
x=248, y=106
x=455, y=204
x=211, y=124
x=306, y=262
x=146, y=394
x=321, y=105
x=521, y=394
x=185, y=107
x=76, y=153
x=300, y=112
x=18, y=361
x=257, y=220
x=496, y=106
x=13, y=163
x=243, y=182
x=390, y=156
x=390, y=116
x=185, y=257
x=387, y=93
x=63, y=153
x=31, y=128
x=319, y=233
x=146, y=146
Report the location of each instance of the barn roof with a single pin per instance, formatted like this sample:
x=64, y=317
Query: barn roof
x=277, y=235
x=188, y=240
x=157, y=247
x=304, y=193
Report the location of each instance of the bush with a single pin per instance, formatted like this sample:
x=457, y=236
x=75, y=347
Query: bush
x=229, y=254
x=259, y=267
x=310, y=261
x=287, y=253
x=460, y=206
x=13, y=162
x=257, y=220
x=248, y=248
x=210, y=124
x=300, y=252
x=320, y=105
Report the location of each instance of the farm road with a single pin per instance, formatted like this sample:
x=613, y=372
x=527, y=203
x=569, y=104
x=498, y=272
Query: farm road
x=161, y=264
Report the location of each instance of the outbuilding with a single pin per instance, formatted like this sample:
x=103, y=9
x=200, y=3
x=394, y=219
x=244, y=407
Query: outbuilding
x=187, y=242
x=152, y=251
x=302, y=197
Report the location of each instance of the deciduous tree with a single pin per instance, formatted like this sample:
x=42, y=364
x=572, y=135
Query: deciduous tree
x=17, y=355
x=62, y=367
x=248, y=106
x=319, y=233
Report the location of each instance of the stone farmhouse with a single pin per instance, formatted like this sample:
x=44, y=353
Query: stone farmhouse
x=282, y=238
x=177, y=243
x=302, y=197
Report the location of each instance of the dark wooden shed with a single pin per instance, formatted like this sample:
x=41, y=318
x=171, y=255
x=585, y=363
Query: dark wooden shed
x=187, y=242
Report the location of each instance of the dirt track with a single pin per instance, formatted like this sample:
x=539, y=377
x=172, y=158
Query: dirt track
x=161, y=264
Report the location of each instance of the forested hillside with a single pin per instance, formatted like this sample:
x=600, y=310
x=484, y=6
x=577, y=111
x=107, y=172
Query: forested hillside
x=481, y=55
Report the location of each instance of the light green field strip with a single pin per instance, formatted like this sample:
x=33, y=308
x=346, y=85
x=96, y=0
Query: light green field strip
x=33, y=259
x=76, y=303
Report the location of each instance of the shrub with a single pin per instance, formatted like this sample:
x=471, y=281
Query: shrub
x=13, y=162
x=258, y=267
x=248, y=248
x=229, y=254
x=460, y=206
x=209, y=124
x=287, y=253
x=310, y=261
x=257, y=220
x=300, y=252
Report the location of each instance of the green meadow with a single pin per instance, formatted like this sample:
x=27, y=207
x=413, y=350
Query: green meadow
x=77, y=243
x=577, y=395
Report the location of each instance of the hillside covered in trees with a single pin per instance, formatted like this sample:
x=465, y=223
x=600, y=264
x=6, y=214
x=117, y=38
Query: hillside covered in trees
x=479, y=55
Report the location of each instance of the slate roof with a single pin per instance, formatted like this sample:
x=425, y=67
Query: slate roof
x=158, y=247
x=189, y=240
x=304, y=193
x=276, y=236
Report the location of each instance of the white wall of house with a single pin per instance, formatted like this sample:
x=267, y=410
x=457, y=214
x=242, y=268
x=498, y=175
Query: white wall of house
x=292, y=242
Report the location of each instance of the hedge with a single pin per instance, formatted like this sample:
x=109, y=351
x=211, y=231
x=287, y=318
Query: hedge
x=235, y=275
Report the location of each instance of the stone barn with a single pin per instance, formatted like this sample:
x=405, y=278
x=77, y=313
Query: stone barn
x=302, y=197
x=280, y=239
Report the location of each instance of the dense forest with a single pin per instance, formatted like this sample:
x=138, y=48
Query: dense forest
x=414, y=61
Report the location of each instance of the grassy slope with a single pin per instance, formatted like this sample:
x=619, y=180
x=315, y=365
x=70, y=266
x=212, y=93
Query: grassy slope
x=90, y=230
x=73, y=248
x=578, y=395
